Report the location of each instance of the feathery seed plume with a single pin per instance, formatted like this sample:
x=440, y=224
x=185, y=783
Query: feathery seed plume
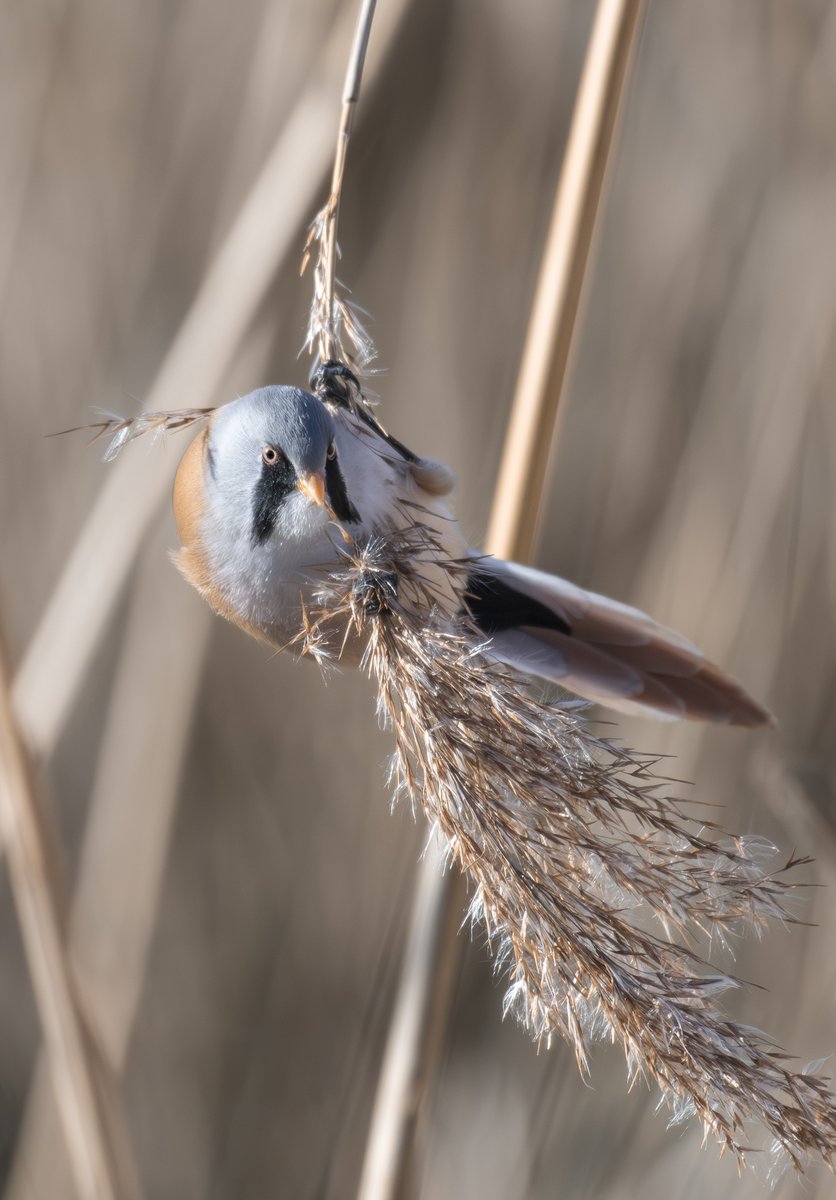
x=571, y=843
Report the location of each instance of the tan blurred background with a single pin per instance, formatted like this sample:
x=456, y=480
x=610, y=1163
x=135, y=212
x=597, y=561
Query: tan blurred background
x=243, y=886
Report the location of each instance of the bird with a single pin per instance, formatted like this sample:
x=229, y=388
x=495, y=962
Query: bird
x=277, y=481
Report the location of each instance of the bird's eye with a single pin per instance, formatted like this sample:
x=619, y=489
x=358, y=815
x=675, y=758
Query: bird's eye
x=332, y=452
x=270, y=455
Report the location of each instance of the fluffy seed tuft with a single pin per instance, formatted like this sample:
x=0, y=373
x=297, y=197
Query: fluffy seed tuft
x=589, y=877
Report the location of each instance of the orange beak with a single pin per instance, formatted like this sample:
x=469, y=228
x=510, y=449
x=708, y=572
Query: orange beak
x=313, y=486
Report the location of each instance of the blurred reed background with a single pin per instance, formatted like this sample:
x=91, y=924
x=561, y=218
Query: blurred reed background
x=241, y=888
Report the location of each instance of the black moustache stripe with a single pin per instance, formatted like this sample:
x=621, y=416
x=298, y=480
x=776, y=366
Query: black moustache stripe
x=337, y=495
x=276, y=482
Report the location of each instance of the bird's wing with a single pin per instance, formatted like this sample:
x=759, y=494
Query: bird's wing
x=601, y=649
x=429, y=474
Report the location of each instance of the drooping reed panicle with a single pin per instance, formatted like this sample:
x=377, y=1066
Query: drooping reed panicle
x=571, y=843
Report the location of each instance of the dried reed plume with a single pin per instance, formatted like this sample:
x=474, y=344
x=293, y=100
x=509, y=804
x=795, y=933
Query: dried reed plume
x=569, y=841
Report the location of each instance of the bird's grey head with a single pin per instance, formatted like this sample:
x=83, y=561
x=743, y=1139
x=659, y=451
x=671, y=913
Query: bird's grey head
x=267, y=453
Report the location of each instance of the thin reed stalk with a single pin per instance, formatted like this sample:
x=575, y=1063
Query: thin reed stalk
x=512, y=532
x=421, y=1011
x=330, y=215
x=99, y=1156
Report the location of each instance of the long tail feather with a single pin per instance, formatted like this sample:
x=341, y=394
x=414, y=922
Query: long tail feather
x=602, y=649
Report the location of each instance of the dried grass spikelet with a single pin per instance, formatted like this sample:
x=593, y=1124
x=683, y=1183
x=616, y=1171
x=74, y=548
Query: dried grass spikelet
x=570, y=842
x=121, y=430
x=336, y=331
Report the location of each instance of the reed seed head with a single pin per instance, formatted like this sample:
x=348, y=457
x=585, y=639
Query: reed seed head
x=589, y=876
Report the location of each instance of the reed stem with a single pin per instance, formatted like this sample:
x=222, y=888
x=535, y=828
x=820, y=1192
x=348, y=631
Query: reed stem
x=328, y=341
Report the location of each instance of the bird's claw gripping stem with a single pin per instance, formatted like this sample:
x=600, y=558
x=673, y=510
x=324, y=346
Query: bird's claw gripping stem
x=335, y=382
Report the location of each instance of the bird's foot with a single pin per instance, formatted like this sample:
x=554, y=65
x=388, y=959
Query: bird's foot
x=335, y=383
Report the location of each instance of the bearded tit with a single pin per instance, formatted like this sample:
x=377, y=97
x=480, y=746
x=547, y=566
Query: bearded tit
x=274, y=480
